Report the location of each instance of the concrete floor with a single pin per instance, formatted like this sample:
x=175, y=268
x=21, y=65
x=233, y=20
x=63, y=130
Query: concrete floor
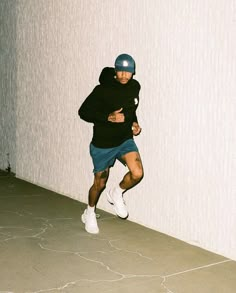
x=44, y=248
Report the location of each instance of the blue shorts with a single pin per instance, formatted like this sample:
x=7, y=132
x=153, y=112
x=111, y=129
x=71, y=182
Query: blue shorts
x=105, y=157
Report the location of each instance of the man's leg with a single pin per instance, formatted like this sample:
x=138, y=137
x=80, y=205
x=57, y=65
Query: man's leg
x=135, y=174
x=100, y=179
x=89, y=216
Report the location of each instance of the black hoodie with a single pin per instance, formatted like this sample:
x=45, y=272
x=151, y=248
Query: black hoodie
x=107, y=97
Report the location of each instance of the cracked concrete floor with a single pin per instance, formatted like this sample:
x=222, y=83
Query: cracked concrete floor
x=44, y=248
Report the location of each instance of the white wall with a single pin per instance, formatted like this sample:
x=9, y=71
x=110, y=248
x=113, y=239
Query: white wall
x=7, y=85
x=185, y=54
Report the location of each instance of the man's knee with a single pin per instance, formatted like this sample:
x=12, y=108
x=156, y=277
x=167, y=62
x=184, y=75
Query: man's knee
x=137, y=174
x=102, y=186
x=99, y=185
x=100, y=180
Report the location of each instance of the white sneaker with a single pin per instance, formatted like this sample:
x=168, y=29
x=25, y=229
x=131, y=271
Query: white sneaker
x=116, y=199
x=90, y=221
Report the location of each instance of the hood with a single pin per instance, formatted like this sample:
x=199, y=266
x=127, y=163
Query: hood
x=107, y=75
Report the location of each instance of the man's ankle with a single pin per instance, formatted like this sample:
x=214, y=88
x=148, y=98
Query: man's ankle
x=90, y=209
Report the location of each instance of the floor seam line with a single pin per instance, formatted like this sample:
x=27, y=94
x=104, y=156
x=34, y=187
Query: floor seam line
x=197, y=268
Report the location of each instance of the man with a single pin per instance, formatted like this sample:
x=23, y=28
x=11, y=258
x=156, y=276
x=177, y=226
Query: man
x=111, y=107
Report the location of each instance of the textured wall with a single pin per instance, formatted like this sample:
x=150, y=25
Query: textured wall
x=7, y=85
x=185, y=54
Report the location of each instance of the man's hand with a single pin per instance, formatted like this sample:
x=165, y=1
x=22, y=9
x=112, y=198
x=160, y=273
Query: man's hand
x=116, y=116
x=136, y=128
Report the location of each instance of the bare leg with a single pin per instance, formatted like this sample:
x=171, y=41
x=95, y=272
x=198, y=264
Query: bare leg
x=135, y=174
x=89, y=216
x=98, y=186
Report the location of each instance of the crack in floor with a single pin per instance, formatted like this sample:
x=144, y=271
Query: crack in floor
x=46, y=224
x=124, y=276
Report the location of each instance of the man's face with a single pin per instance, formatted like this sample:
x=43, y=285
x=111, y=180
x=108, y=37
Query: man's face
x=123, y=76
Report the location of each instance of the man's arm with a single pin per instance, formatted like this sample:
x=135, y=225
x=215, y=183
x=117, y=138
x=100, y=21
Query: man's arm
x=91, y=110
x=136, y=128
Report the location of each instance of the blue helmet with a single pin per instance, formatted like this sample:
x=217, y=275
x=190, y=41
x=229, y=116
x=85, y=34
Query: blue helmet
x=125, y=62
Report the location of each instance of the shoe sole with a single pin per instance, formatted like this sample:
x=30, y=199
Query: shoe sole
x=83, y=219
x=109, y=199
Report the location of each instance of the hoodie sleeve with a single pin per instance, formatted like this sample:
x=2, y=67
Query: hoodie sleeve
x=135, y=118
x=131, y=107
x=91, y=110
